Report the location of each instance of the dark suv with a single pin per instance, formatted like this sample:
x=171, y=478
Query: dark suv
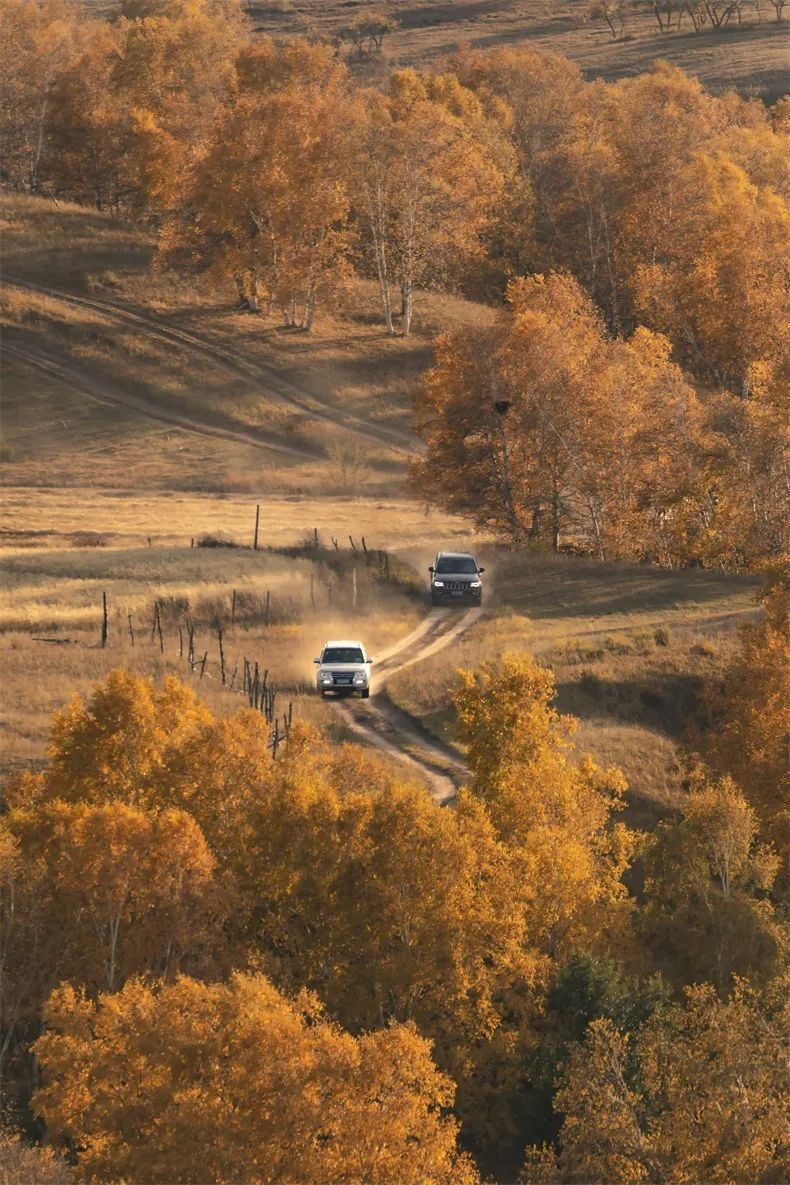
x=455, y=577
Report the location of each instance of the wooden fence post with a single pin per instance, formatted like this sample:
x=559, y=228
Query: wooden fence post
x=104, y=626
x=315, y=538
x=221, y=652
x=257, y=521
x=159, y=628
x=131, y=628
x=203, y=664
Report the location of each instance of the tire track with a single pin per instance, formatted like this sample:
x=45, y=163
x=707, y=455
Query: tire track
x=78, y=381
x=391, y=730
x=235, y=363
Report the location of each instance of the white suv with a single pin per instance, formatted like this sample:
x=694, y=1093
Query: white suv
x=343, y=667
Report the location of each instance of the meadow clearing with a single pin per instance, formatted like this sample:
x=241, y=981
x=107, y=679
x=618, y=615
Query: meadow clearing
x=102, y=497
x=749, y=53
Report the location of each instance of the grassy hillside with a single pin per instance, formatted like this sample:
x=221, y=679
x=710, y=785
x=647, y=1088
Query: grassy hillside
x=751, y=57
x=291, y=414
x=101, y=496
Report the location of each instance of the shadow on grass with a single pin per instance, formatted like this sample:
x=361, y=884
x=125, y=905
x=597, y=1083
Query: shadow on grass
x=575, y=586
x=665, y=703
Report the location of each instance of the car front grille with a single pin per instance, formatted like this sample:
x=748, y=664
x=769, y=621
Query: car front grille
x=342, y=678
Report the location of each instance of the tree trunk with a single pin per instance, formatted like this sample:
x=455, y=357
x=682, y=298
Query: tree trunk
x=252, y=300
x=376, y=222
x=407, y=279
x=36, y=161
x=406, y=308
x=384, y=287
x=310, y=306
x=555, y=516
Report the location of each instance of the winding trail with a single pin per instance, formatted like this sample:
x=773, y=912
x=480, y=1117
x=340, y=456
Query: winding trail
x=215, y=426
x=264, y=377
x=377, y=720
x=387, y=727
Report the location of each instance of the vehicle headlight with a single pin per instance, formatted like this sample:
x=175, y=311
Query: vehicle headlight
x=474, y=584
x=438, y=584
x=360, y=678
x=325, y=677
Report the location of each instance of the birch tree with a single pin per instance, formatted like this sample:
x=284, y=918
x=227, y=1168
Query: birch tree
x=267, y=205
x=423, y=189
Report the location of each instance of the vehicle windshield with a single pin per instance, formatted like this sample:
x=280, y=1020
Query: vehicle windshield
x=343, y=654
x=464, y=565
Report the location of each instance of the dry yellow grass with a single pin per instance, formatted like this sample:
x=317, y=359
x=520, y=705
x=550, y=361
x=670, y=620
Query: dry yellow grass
x=51, y=610
x=750, y=56
x=101, y=499
x=33, y=517
x=327, y=412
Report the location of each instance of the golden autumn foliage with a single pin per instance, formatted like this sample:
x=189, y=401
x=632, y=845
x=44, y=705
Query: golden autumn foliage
x=429, y=172
x=700, y=1095
x=386, y=905
x=268, y=202
x=94, y=894
x=717, y=287
x=36, y=46
x=21, y=1164
x=543, y=428
x=159, y=1079
x=552, y=809
x=708, y=910
x=277, y=172
x=477, y=942
x=751, y=719
x=548, y=431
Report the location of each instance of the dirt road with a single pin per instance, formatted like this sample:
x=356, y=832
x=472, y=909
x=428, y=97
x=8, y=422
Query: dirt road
x=376, y=721
x=393, y=731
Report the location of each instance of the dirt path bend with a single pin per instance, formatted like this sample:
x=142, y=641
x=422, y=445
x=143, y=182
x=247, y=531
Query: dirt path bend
x=234, y=361
x=78, y=381
x=387, y=727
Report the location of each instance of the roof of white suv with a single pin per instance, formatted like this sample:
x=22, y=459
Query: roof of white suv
x=344, y=642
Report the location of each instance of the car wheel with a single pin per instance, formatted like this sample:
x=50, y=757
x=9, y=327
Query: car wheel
x=366, y=693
